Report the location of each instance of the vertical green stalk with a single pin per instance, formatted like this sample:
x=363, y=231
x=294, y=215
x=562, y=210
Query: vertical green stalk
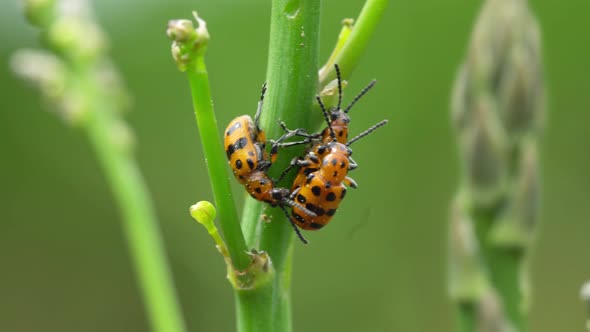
x=504, y=270
x=74, y=79
x=188, y=50
x=498, y=112
x=147, y=249
x=292, y=83
x=466, y=317
x=216, y=164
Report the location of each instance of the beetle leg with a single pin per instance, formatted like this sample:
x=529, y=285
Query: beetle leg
x=350, y=182
x=294, y=193
x=294, y=162
x=299, y=235
x=352, y=164
x=263, y=165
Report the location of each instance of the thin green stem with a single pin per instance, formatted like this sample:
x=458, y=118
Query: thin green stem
x=254, y=310
x=355, y=45
x=467, y=317
x=504, y=267
x=139, y=220
x=216, y=164
x=78, y=47
x=506, y=278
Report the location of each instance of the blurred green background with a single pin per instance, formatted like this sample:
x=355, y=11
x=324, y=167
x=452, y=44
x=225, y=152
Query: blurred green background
x=381, y=264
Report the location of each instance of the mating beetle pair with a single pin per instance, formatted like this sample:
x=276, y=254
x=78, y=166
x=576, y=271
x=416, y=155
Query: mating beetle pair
x=320, y=184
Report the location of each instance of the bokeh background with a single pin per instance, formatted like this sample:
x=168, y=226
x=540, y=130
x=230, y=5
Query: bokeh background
x=381, y=264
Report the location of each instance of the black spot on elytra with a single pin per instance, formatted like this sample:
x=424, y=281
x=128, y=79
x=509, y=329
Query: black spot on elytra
x=238, y=145
x=334, y=161
x=331, y=212
x=330, y=197
x=321, y=150
x=328, y=185
x=250, y=163
x=301, y=199
x=343, y=193
x=241, y=177
x=239, y=164
x=298, y=218
x=310, y=207
x=319, y=211
x=258, y=190
x=335, y=174
x=340, y=133
x=342, y=164
x=229, y=151
x=233, y=128
x=316, y=190
x=251, y=153
x=316, y=225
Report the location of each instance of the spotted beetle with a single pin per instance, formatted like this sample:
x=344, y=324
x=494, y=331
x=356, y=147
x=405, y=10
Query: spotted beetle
x=245, y=144
x=320, y=184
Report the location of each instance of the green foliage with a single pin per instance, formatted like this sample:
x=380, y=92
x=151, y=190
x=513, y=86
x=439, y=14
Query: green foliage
x=68, y=268
x=498, y=107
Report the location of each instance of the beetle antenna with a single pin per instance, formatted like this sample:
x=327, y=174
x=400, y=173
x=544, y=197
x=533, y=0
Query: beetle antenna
x=260, y=103
x=367, y=132
x=339, y=79
x=327, y=117
x=360, y=95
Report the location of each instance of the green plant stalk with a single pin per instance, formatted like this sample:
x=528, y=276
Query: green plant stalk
x=347, y=25
x=139, y=220
x=504, y=268
x=292, y=83
x=355, y=45
x=467, y=317
x=216, y=163
x=269, y=314
x=349, y=48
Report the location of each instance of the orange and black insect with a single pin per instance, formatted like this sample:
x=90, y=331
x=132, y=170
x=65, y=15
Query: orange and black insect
x=245, y=144
x=320, y=184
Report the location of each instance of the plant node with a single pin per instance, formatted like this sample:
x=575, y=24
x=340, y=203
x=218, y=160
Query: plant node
x=260, y=268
